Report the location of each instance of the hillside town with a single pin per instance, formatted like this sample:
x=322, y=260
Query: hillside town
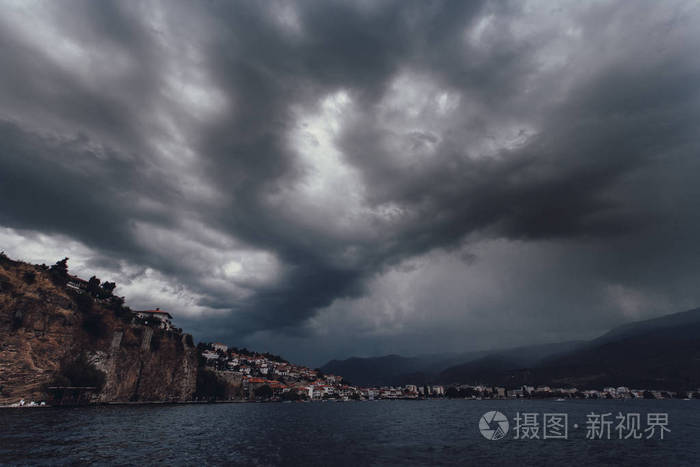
x=263, y=376
x=266, y=376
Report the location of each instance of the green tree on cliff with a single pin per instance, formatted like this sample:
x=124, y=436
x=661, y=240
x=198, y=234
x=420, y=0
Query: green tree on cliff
x=93, y=286
x=108, y=288
x=59, y=272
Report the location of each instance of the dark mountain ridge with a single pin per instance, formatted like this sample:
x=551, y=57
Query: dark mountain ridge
x=423, y=369
x=658, y=353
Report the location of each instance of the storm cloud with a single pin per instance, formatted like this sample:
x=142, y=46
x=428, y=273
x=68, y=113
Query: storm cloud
x=323, y=179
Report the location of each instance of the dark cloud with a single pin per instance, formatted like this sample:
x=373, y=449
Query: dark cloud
x=279, y=163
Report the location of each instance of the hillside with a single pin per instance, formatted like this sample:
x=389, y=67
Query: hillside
x=53, y=334
x=423, y=369
x=637, y=328
x=377, y=371
x=661, y=353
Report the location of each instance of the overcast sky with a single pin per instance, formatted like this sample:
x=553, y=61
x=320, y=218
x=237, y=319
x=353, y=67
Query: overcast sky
x=327, y=179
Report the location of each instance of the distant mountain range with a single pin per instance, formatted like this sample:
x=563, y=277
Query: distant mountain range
x=660, y=353
x=423, y=369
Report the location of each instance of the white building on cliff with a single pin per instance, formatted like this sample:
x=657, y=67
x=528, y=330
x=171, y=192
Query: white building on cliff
x=158, y=317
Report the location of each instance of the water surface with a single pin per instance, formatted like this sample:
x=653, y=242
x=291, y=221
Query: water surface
x=351, y=433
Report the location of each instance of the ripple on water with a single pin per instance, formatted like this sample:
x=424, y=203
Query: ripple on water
x=379, y=433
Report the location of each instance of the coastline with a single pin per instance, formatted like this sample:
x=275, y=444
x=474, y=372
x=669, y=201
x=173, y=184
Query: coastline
x=146, y=403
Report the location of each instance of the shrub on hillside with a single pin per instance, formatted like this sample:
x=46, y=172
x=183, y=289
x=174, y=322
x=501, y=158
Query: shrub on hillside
x=94, y=325
x=93, y=286
x=108, y=289
x=80, y=373
x=83, y=302
x=116, y=304
x=6, y=261
x=29, y=277
x=5, y=285
x=102, y=291
x=93, y=321
x=59, y=272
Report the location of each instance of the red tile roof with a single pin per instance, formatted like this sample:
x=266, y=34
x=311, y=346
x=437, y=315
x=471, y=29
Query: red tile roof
x=257, y=380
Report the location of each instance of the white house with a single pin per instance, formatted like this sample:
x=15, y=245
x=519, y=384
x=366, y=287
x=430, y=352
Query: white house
x=158, y=316
x=77, y=284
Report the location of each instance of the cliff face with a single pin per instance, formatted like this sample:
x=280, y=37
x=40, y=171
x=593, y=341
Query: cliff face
x=44, y=327
x=146, y=364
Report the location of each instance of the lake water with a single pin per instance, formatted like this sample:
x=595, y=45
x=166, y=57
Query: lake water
x=444, y=432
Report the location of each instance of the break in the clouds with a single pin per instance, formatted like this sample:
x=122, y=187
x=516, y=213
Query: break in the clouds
x=325, y=178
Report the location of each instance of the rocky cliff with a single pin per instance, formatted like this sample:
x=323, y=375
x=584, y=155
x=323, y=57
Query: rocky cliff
x=46, y=327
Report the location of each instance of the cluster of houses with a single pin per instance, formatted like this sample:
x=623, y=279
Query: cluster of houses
x=288, y=381
x=544, y=392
